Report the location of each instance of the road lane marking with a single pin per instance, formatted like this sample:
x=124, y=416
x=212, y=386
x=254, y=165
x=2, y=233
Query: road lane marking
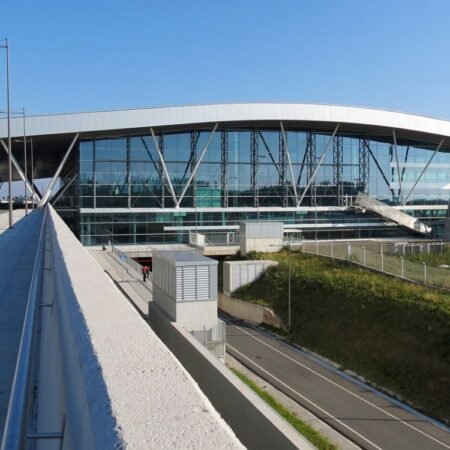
x=345, y=389
x=307, y=400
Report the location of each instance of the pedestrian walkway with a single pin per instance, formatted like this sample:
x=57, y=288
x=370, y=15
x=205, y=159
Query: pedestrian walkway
x=127, y=278
x=18, y=248
x=4, y=218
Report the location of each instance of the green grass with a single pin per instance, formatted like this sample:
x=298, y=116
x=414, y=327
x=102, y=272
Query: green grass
x=433, y=259
x=394, y=333
x=309, y=433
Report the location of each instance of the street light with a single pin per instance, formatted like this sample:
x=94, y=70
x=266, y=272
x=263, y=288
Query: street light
x=10, y=205
x=289, y=282
x=25, y=162
x=24, y=140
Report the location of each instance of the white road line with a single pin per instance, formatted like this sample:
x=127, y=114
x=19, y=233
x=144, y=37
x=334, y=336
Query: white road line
x=307, y=400
x=345, y=389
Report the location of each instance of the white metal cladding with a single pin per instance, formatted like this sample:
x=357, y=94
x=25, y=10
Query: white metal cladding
x=261, y=230
x=183, y=115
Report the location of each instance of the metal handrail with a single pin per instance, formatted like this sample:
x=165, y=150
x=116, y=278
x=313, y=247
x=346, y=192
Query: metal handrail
x=126, y=259
x=14, y=432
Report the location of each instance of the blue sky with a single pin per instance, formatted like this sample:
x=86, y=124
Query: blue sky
x=96, y=55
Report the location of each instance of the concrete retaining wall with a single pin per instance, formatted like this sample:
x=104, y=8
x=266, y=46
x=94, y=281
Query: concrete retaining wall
x=255, y=424
x=249, y=311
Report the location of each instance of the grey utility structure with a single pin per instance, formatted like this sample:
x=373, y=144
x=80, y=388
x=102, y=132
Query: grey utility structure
x=239, y=273
x=260, y=236
x=185, y=287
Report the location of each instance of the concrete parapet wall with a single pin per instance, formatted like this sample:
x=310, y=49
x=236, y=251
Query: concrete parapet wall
x=249, y=312
x=103, y=373
x=254, y=422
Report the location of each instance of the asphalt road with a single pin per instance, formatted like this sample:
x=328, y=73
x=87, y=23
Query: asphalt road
x=368, y=418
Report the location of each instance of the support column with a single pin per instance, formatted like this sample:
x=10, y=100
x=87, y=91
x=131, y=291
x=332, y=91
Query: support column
x=129, y=173
x=282, y=170
x=363, y=180
x=338, y=168
x=193, y=158
x=161, y=169
x=224, y=167
x=311, y=160
x=254, y=167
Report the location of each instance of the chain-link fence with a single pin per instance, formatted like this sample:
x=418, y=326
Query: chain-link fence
x=214, y=338
x=382, y=257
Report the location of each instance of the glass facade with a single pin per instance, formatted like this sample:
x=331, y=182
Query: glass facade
x=304, y=178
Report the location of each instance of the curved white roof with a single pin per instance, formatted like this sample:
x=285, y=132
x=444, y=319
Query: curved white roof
x=251, y=112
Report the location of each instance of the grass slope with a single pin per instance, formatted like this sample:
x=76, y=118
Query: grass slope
x=393, y=333
x=433, y=259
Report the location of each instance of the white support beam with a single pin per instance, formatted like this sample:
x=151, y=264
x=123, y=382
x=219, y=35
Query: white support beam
x=196, y=165
x=318, y=164
x=423, y=171
x=58, y=172
x=64, y=189
x=398, y=165
x=165, y=172
x=20, y=172
x=294, y=184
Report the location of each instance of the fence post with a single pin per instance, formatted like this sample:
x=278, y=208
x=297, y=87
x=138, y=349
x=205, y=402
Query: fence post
x=364, y=255
x=382, y=261
x=401, y=259
x=332, y=249
x=317, y=247
x=349, y=251
x=424, y=272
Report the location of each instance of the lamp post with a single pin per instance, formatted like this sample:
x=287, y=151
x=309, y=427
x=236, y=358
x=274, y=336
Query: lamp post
x=289, y=282
x=10, y=205
x=25, y=162
x=32, y=175
x=25, y=178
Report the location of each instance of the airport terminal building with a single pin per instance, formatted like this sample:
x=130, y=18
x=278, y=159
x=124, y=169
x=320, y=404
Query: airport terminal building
x=154, y=175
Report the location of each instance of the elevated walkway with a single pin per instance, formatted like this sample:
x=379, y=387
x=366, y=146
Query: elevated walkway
x=4, y=218
x=104, y=379
x=363, y=201
x=18, y=248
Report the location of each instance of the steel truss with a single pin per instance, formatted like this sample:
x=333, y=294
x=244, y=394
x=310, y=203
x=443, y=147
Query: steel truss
x=363, y=156
x=224, y=167
x=254, y=167
x=338, y=167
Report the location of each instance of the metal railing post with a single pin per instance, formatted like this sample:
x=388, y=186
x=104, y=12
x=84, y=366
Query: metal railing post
x=332, y=249
x=424, y=272
x=382, y=261
x=364, y=255
x=402, y=265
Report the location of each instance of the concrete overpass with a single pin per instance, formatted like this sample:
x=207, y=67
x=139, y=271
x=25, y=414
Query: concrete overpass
x=81, y=369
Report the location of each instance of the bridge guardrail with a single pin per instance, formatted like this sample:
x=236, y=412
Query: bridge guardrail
x=15, y=430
